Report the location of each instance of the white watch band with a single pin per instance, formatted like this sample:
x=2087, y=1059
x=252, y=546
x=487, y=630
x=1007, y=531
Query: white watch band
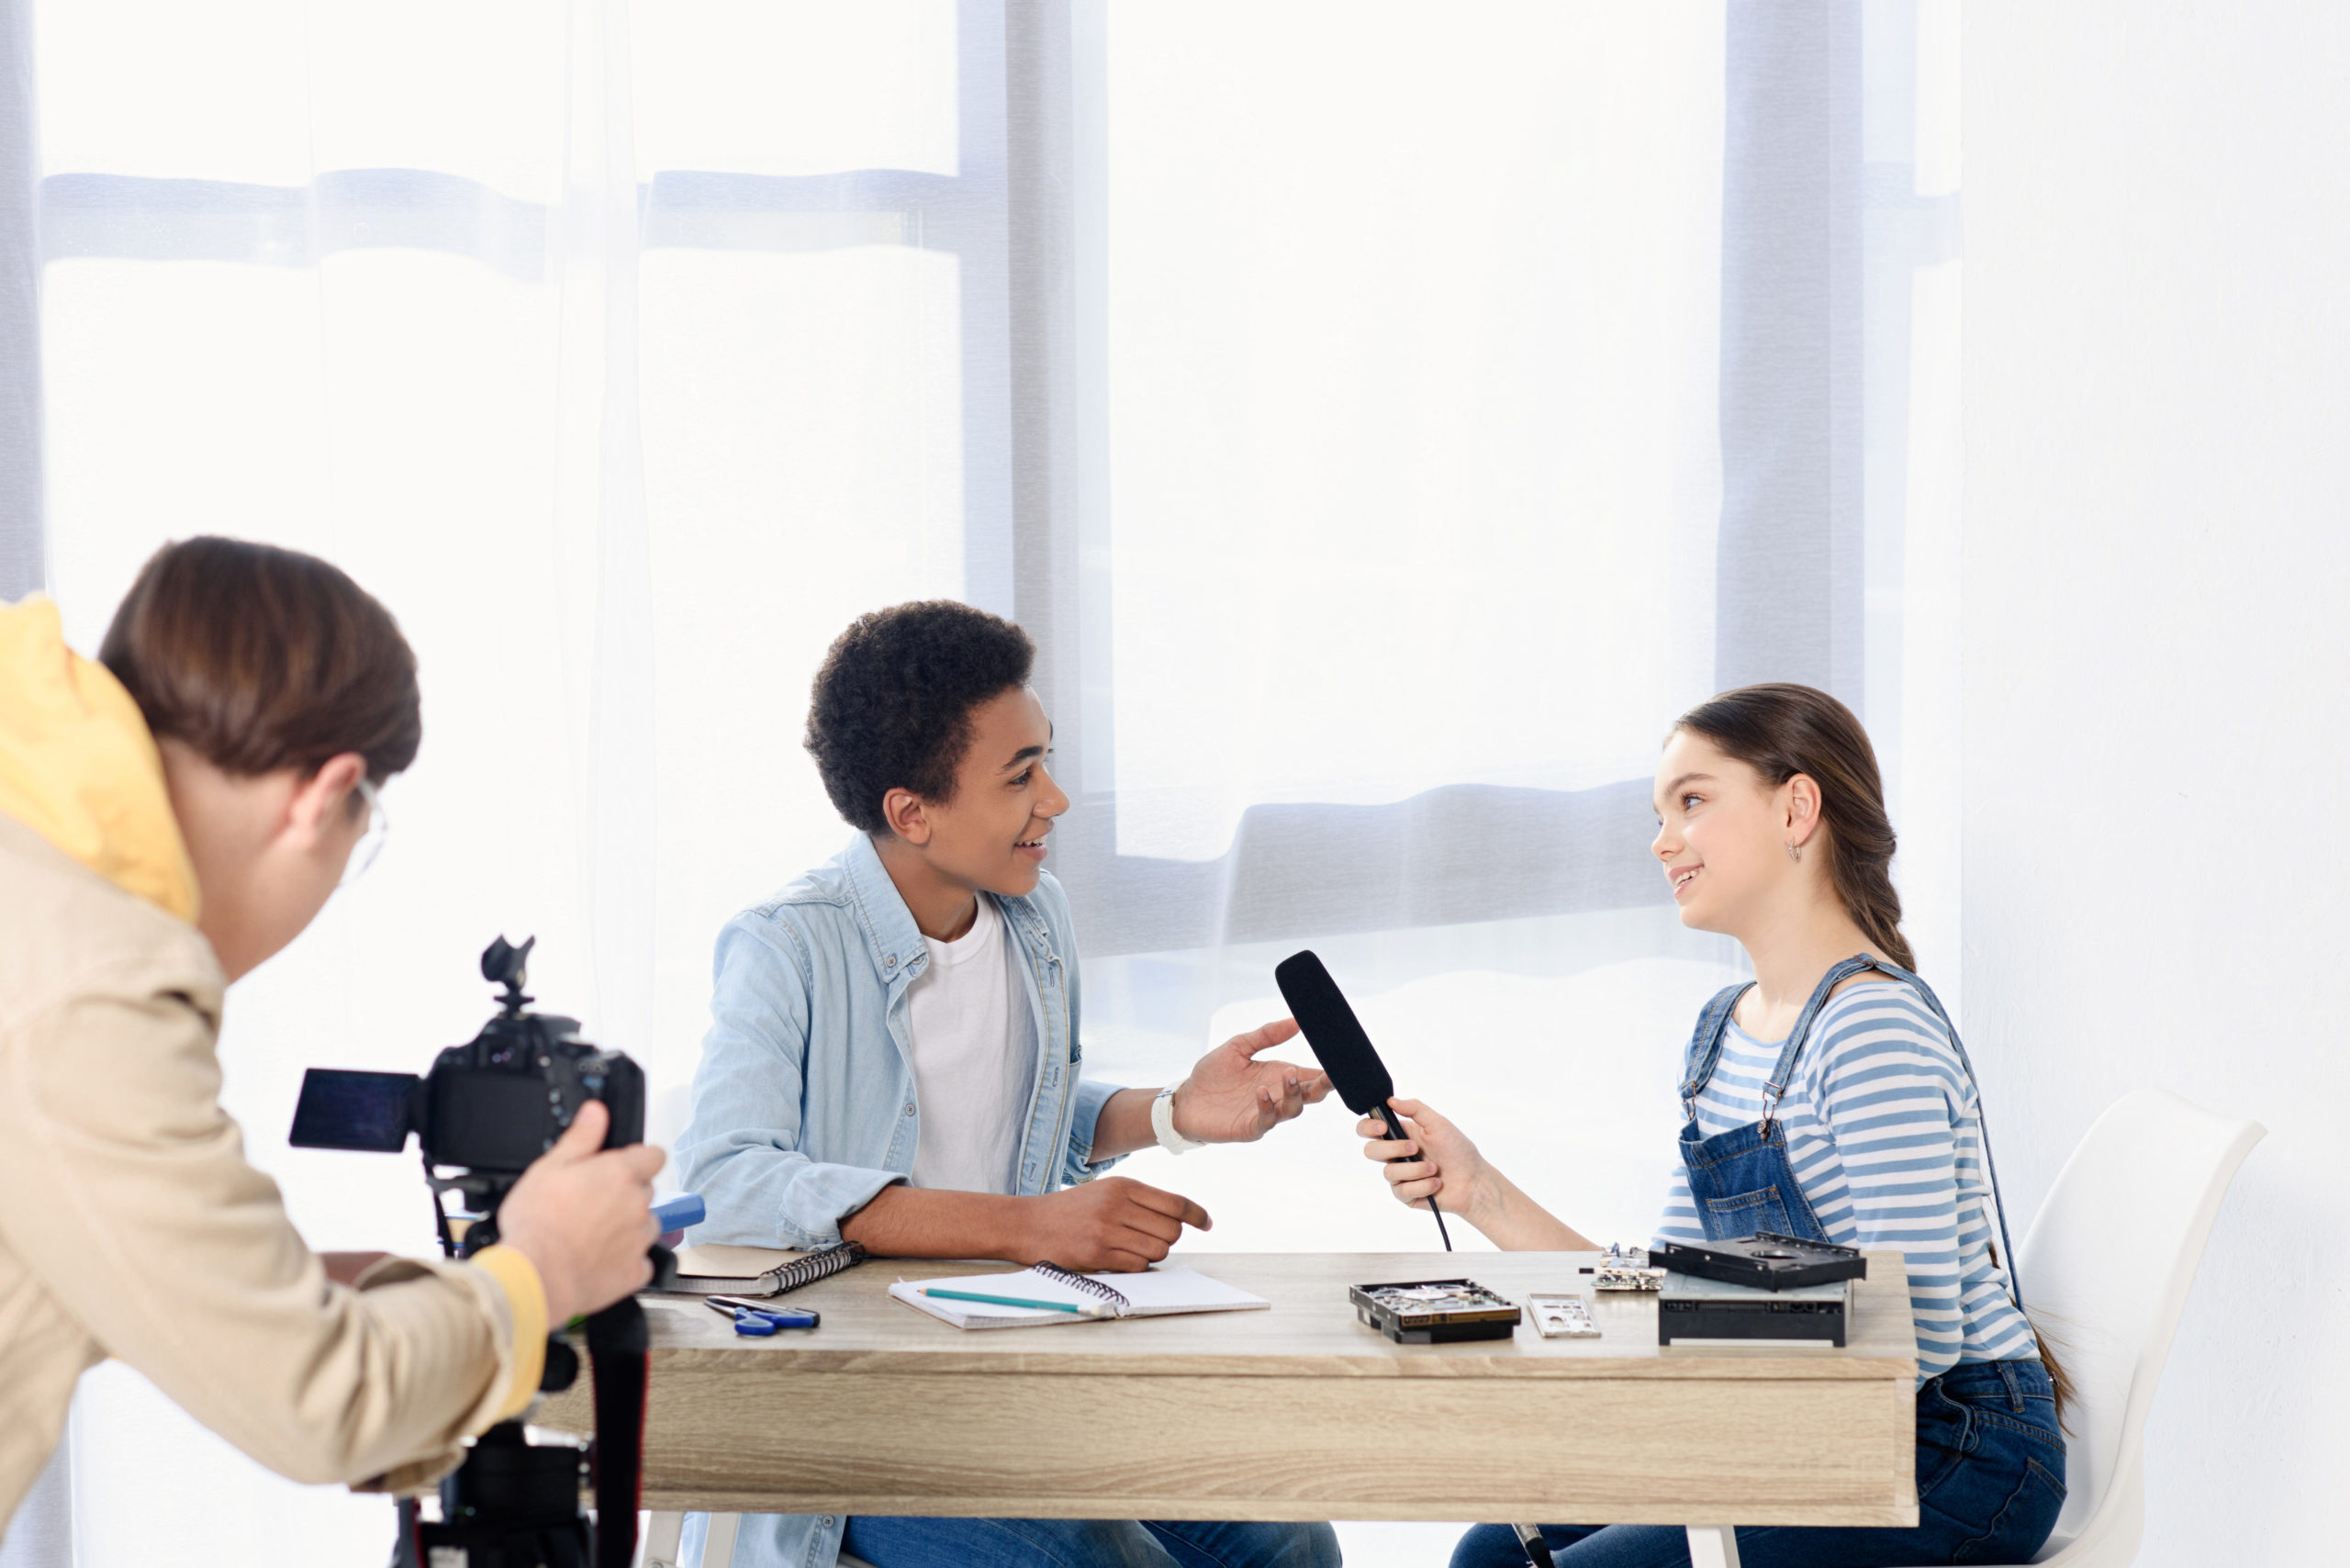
x=1162, y=1122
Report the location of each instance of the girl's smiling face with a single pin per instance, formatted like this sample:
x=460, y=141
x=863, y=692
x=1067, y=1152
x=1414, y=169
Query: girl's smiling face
x=1722, y=835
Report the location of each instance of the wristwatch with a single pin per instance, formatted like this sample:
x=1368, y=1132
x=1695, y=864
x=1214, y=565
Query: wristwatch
x=1162, y=1122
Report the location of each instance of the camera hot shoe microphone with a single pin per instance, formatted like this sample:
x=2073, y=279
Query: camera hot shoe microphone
x=1337, y=1036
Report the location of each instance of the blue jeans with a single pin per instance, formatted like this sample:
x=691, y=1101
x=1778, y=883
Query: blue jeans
x=1990, y=1481
x=1087, y=1544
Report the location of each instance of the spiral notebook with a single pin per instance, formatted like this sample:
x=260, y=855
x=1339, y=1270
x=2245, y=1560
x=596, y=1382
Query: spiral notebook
x=1155, y=1292
x=759, y=1270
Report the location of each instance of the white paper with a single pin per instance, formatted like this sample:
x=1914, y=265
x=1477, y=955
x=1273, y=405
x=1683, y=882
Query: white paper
x=1155, y=1292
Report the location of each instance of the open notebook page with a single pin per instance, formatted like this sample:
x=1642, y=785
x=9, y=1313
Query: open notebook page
x=1155, y=1292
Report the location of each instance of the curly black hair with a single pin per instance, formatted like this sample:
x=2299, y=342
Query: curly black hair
x=892, y=706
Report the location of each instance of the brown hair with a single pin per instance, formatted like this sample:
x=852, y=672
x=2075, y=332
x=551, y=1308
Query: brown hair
x=1780, y=730
x=262, y=658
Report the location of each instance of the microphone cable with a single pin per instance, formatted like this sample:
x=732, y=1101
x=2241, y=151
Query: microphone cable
x=1386, y=1114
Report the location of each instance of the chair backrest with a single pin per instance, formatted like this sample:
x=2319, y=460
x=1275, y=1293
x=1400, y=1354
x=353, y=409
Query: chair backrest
x=2106, y=1270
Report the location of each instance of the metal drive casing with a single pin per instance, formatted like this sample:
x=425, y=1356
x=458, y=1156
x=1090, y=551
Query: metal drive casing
x=1766, y=1259
x=1690, y=1308
x=1434, y=1312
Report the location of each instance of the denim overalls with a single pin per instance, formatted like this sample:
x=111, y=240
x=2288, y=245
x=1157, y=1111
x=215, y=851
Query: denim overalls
x=1990, y=1456
x=1741, y=1181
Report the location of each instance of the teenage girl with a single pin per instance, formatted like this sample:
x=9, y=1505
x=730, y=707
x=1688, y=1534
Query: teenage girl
x=1828, y=1099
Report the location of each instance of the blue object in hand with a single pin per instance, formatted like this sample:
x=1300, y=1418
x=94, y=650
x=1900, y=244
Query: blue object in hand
x=676, y=1213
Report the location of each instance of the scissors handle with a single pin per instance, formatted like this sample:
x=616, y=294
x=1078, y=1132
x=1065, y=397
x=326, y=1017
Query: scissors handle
x=758, y=1321
x=792, y=1320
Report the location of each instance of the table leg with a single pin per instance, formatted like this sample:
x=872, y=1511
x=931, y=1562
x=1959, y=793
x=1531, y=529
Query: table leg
x=1713, y=1546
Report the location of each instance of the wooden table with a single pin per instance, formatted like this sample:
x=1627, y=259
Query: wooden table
x=1297, y=1413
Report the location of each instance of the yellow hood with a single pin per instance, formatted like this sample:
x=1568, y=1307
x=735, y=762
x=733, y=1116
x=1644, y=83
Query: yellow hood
x=78, y=766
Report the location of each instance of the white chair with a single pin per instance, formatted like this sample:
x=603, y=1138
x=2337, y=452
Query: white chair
x=663, y=1535
x=2106, y=1270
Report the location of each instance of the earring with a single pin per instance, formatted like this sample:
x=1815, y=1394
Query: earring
x=1794, y=850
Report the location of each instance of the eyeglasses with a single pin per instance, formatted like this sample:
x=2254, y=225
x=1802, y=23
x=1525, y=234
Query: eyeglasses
x=371, y=843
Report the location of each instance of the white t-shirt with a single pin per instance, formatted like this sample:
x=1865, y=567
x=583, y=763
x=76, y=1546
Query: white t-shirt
x=975, y=1059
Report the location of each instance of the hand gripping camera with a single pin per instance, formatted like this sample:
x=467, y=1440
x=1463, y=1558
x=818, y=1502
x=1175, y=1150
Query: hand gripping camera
x=486, y=1111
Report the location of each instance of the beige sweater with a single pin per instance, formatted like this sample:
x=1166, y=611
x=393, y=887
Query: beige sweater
x=130, y=1224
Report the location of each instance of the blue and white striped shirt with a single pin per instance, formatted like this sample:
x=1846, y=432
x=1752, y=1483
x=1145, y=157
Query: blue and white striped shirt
x=1883, y=1133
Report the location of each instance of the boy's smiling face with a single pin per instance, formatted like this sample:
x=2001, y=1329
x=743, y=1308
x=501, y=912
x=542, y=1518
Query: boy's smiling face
x=991, y=835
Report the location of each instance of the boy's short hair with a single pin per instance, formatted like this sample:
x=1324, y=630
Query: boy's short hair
x=892, y=706
x=261, y=658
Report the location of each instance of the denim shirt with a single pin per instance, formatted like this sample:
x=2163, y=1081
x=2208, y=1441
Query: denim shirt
x=804, y=1105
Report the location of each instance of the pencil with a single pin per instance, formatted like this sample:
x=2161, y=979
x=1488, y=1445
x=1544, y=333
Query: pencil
x=1014, y=1301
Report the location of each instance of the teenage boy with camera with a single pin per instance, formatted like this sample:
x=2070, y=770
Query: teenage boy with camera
x=894, y=1049
x=170, y=817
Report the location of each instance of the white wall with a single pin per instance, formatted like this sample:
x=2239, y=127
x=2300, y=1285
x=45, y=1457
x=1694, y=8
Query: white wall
x=2155, y=580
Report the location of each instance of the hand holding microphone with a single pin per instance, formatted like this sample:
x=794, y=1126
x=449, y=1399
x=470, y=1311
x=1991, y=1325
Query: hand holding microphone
x=1434, y=1162
x=1437, y=1158
x=1345, y=1052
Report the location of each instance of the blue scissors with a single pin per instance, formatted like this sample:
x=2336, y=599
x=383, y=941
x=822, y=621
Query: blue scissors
x=757, y=1322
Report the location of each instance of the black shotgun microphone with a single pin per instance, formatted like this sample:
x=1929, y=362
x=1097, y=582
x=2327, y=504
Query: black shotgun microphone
x=1335, y=1034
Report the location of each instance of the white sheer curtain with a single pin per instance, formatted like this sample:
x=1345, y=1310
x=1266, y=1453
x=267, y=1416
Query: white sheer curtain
x=1411, y=341
x=1415, y=357
x=1385, y=423
x=377, y=282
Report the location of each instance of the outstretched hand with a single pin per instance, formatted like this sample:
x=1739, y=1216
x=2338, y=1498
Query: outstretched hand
x=1231, y=1097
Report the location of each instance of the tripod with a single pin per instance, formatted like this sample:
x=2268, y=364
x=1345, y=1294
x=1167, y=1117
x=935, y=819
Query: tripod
x=515, y=1504
x=512, y=1504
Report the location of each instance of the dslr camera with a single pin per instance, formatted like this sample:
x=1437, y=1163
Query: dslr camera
x=486, y=1111
x=488, y=1107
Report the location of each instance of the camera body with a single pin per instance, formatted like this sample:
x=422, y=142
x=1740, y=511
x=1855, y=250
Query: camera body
x=499, y=1101
x=488, y=1107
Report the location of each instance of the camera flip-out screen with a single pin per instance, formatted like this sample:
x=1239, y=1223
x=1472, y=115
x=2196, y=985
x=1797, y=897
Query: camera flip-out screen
x=363, y=1111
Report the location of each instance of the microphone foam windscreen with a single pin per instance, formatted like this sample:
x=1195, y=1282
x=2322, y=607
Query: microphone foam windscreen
x=1330, y=1026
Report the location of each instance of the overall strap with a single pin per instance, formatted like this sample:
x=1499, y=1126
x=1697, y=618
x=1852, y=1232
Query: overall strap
x=1706, y=1044
x=1982, y=1120
x=1783, y=1074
